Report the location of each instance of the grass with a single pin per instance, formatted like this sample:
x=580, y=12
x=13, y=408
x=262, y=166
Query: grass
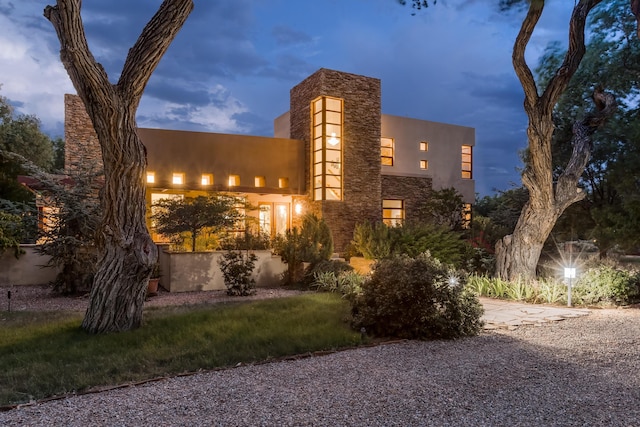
x=46, y=354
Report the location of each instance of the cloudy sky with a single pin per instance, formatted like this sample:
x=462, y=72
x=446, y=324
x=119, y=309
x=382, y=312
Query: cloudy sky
x=232, y=65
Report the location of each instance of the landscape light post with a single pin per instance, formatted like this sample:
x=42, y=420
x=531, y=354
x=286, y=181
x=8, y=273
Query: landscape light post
x=569, y=273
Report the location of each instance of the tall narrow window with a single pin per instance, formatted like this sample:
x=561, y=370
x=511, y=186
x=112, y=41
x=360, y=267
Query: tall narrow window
x=326, y=132
x=386, y=151
x=424, y=146
x=466, y=161
x=424, y=164
x=265, y=219
x=393, y=212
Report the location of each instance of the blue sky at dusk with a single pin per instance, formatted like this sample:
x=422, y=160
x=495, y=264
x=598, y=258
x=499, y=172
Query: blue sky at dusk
x=232, y=65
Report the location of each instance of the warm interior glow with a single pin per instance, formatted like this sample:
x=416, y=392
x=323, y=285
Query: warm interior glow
x=234, y=180
x=178, y=178
x=333, y=140
x=260, y=181
x=207, y=179
x=151, y=177
x=283, y=182
x=298, y=208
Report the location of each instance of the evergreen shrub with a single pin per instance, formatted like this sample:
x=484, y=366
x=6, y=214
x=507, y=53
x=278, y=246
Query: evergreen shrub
x=417, y=298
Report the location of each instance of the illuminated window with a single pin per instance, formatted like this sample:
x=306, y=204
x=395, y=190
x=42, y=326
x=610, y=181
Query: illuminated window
x=259, y=181
x=178, y=178
x=386, y=151
x=424, y=146
x=283, y=182
x=466, y=216
x=466, y=161
x=265, y=219
x=151, y=177
x=424, y=164
x=326, y=132
x=206, y=179
x=393, y=212
x=234, y=180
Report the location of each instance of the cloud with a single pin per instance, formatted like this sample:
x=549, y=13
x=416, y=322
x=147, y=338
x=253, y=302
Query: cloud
x=287, y=36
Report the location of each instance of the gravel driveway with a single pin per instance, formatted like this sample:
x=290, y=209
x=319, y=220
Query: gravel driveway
x=577, y=372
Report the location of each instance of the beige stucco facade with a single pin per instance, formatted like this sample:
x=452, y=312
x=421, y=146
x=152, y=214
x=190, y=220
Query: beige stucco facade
x=281, y=173
x=443, y=155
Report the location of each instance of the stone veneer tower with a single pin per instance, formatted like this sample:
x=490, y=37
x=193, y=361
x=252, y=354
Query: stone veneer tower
x=82, y=147
x=361, y=179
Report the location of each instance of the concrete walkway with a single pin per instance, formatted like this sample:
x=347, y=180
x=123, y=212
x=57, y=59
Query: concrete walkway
x=503, y=314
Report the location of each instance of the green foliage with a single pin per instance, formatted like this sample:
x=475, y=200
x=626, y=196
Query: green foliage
x=20, y=134
x=416, y=298
x=610, y=212
x=10, y=232
x=312, y=244
x=372, y=241
x=237, y=269
x=605, y=284
x=380, y=241
x=174, y=340
x=193, y=215
x=72, y=222
x=445, y=208
x=246, y=241
x=550, y=291
x=337, y=276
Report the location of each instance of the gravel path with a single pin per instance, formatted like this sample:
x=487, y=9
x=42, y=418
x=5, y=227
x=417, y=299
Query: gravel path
x=578, y=372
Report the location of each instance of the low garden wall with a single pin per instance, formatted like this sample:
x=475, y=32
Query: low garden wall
x=199, y=271
x=28, y=269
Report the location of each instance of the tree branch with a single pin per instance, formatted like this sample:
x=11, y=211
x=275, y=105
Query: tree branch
x=572, y=59
x=520, y=46
x=155, y=39
x=87, y=75
x=566, y=188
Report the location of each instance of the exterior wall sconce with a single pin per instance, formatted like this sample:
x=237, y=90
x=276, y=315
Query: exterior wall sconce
x=298, y=208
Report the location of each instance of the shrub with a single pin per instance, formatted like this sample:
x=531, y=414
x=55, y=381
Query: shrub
x=10, y=232
x=347, y=282
x=372, y=241
x=605, y=284
x=312, y=243
x=380, y=241
x=416, y=298
x=236, y=270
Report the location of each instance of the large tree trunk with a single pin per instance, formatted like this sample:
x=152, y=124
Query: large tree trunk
x=517, y=254
x=127, y=253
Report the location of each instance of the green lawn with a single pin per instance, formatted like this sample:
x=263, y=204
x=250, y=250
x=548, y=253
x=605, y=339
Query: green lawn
x=46, y=354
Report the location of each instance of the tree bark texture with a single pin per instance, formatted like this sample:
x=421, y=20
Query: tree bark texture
x=127, y=253
x=517, y=254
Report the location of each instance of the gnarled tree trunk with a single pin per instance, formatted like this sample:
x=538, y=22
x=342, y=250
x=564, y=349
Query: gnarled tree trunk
x=127, y=253
x=517, y=254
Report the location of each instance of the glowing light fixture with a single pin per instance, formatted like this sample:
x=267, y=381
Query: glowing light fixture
x=298, y=208
x=333, y=141
x=151, y=177
x=569, y=274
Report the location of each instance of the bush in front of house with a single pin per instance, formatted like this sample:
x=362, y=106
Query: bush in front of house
x=312, y=243
x=237, y=268
x=378, y=241
x=416, y=298
x=607, y=284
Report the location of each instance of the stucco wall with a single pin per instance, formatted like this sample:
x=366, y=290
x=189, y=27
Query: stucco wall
x=26, y=270
x=199, y=271
x=444, y=153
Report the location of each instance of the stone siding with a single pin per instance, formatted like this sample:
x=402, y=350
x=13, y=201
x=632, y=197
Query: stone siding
x=415, y=191
x=81, y=142
x=361, y=152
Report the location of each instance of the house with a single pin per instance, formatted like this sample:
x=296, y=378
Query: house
x=333, y=154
